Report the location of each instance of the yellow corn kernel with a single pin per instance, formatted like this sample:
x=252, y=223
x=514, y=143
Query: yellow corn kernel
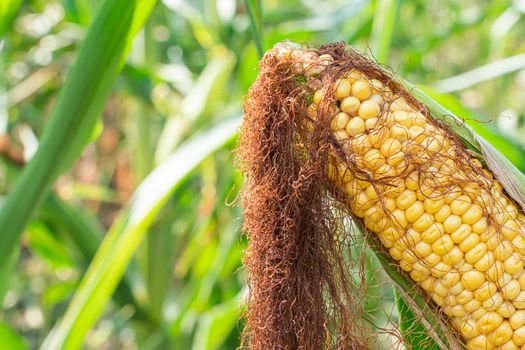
x=479, y=226
x=390, y=147
x=418, y=275
x=423, y=222
x=371, y=123
x=440, y=289
x=451, y=223
x=361, y=90
x=485, y=291
x=432, y=233
x=437, y=299
x=442, y=214
x=493, y=303
x=519, y=244
x=406, y=199
x=485, y=262
x=339, y=121
x=468, y=328
x=509, y=346
x=355, y=126
x=454, y=256
x=517, y=319
x=465, y=296
x=440, y=269
x=432, y=259
x=476, y=253
x=450, y=279
x=409, y=257
x=489, y=322
x=460, y=205
x=342, y=90
x=519, y=301
x=354, y=75
x=456, y=289
x=373, y=159
x=443, y=245
x=471, y=306
x=510, y=229
x=503, y=250
x=399, y=132
x=501, y=335
x=368, y=109
x=518, y=337
x=415, y=211
x=506, y=309
x=511, y=290
x=480, y=342
x=495, y=272
x=349, y=105
x=428, y=284
x=513, y=264
x=396, y=252
x=462, y=232
x=472, y=279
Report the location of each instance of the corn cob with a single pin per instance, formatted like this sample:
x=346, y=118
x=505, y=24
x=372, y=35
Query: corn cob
x=444, y=218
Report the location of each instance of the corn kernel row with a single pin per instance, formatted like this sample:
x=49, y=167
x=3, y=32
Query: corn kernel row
x=447, y=222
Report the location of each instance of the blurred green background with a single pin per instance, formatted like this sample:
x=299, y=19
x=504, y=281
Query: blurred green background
x=157, y=177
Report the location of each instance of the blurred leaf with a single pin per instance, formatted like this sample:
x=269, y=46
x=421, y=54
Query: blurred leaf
x=8, y=11
x=75, y=114
x=85, y=233
x=94, y=192
x=254, y=9
x=209, y=89
x=57, y=293
x=6, y=273
x=42, y=242
x=78, y=11
x=120, y=244
x=138, y=81
x=207, y=267
x=10, y=340
x=487, y=72
x=384, y=26
x=82, y=229
x=215, y=325
x=158, y=250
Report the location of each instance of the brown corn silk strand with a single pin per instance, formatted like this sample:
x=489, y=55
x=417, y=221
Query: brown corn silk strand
x=301, y=294
x=297, y=204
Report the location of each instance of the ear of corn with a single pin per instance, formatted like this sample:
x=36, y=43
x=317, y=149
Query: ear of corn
x=443, y=217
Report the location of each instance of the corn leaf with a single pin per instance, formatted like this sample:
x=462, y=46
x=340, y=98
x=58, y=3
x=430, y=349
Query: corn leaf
x=124, y=237
x=75, y=114
x=412, y=330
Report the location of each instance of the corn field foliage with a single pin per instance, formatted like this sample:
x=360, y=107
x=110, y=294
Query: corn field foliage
x=119, y=223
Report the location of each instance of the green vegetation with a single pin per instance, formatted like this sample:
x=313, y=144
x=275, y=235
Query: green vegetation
x=122, y=231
